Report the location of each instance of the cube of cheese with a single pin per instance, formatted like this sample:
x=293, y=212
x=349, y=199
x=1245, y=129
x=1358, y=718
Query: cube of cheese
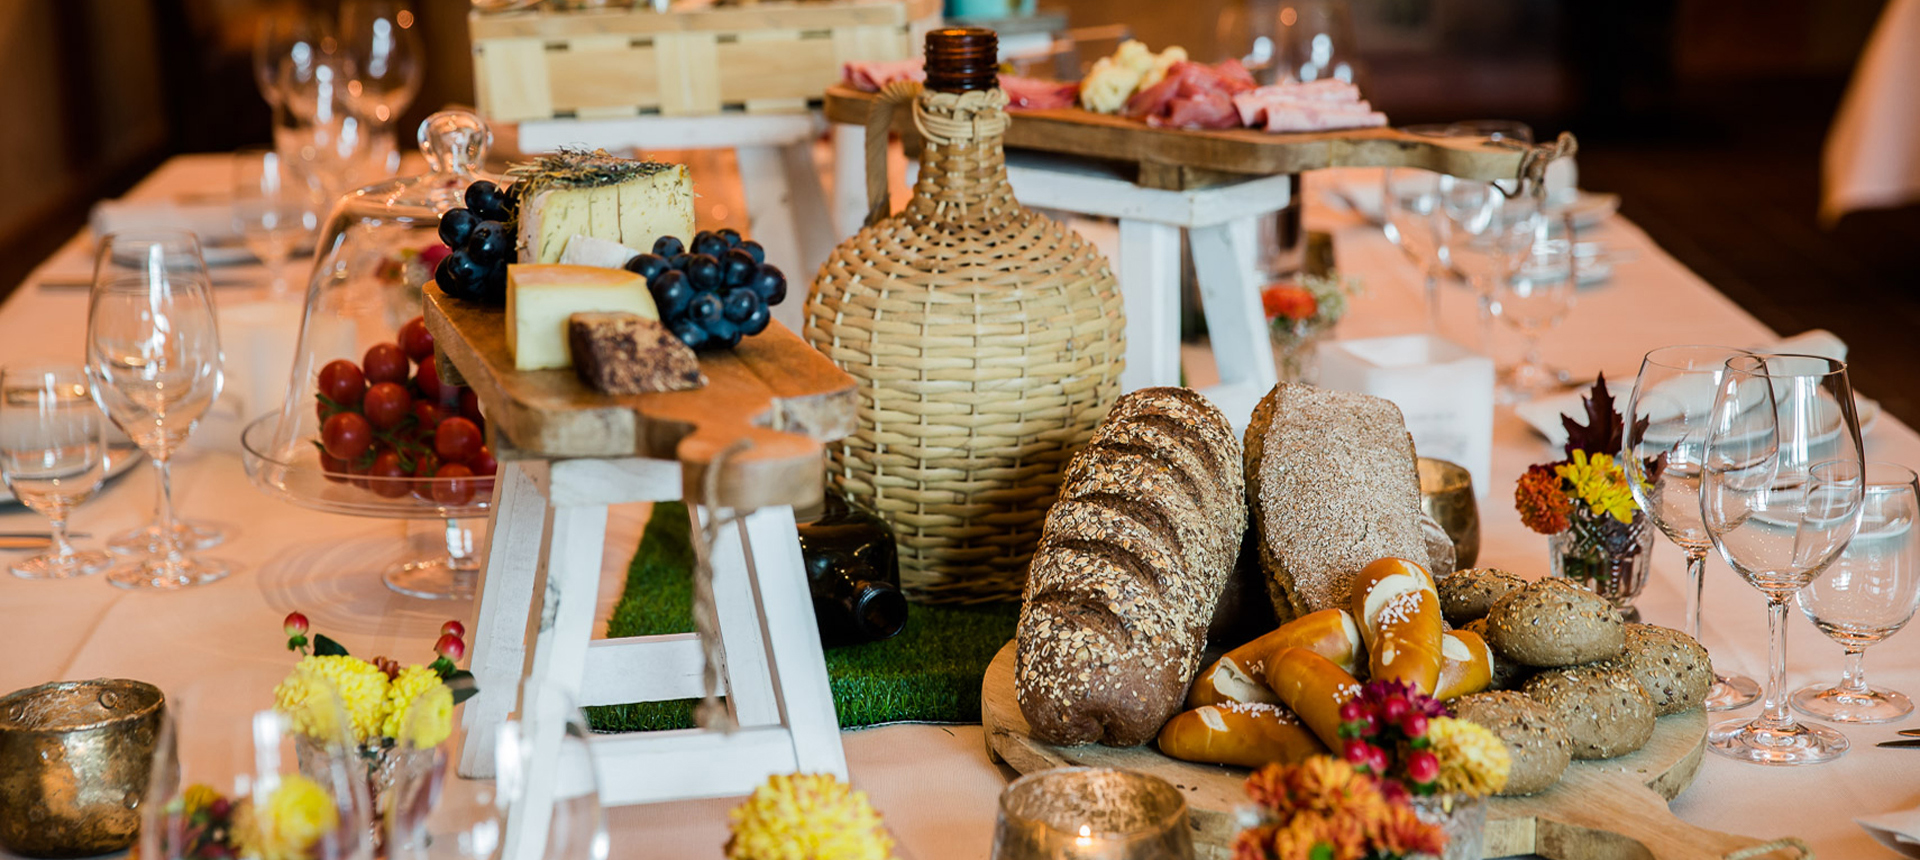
x=541, y=298
x=633, y=212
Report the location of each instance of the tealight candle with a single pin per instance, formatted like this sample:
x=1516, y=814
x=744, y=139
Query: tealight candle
x=1083, y=813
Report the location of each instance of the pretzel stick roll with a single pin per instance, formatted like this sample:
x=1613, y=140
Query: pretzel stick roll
x=1469, y=665
x=1314, y=688
x=1399, y=614
x=1240, y=675
x=1246, y=735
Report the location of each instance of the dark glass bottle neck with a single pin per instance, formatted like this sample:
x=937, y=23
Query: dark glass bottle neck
x=962, y=59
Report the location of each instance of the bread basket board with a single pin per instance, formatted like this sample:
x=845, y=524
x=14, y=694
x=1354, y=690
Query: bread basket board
x=772, y=390
x=1180, y=159
x=1601, y=810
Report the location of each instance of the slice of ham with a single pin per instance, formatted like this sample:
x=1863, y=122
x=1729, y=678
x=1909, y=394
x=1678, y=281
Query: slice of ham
x=874, y=76
x=1316, y=106
x=1022, y=93
x=1206, y=110
x=1192, y=95
x=1038, y=93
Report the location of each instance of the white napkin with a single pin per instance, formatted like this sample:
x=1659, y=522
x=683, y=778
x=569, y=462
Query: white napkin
x=1899, y=831
x=211, y=220
x=1543, y=415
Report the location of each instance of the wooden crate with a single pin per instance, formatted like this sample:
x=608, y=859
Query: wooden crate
x=608, y=63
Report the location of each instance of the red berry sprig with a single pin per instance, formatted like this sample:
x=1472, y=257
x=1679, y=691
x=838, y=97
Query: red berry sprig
x=450, y=647
x=295, y=626
x=1384, y=732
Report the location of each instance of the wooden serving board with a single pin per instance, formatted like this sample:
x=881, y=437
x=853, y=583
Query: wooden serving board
x=773, y=390
x=1601, y=810
x=1180, y=159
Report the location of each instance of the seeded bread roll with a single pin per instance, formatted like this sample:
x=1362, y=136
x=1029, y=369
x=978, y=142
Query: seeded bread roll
x=1605, y=711
x=1468, y=594
x=1331, y=485
x=1507, y=675
x=1552, y=624
x=1533, y=735
x=1671, y=667
x=1129, y=569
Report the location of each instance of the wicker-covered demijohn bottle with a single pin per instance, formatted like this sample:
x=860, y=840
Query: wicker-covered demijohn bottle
x=988, y=340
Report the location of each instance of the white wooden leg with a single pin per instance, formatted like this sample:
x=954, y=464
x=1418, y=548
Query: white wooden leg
x=849, y=179
x=771, y=222
x=744, y=670
x=507, y=573
x=807, y=202
x=1149, y=270
x=793, y=638
x=1236, y=324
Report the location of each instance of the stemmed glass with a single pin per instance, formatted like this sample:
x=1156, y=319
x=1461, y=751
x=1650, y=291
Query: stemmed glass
x=274, y=212
x=1866, y=596
x=1667, y=416
x=382, y=57
x=1486, y=235
x=53, y=457
x=1409, y=205
x=1533, y=300
x=1780, y=493
x=153, y=352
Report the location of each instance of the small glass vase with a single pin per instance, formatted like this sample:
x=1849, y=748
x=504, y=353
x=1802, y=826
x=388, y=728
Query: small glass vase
x=1296, y=348
x=387, y=763
x=1463, y=818
x=1608, y=557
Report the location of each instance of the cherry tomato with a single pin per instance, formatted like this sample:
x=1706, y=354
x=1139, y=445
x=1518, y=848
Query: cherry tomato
x=427, y=379
x=484, y=466
x=424, y=465
x=342, y=382
x=426, y=416
x=333, y=468
x=470, y=406
x=457, y=439
x=347, y=435
x=453, y=485
x=320, y=409
x=359, y=473
x=384, y=362
x=416, y=340
x=387, y=404
x=386, y=477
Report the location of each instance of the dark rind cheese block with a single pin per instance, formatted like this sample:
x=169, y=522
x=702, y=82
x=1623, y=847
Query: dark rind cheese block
x=622, y=353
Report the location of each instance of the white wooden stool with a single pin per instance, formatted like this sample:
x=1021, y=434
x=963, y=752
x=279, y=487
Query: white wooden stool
x=786, y=203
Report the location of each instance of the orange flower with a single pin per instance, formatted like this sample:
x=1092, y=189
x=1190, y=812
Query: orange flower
x=1290, y=301
x=1397, y=830
x=1319, y=784
x=1543, y=506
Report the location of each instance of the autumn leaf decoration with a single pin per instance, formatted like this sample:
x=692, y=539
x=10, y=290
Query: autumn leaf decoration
x=1604, y=432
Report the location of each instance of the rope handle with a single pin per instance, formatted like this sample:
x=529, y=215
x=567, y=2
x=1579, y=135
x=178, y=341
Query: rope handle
x=1532, y=174
x=710, y=714
x=1765, y=848
x=942, y=119
x=879, y=126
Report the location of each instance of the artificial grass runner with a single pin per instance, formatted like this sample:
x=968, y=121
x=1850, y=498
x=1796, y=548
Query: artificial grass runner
x=931, y=672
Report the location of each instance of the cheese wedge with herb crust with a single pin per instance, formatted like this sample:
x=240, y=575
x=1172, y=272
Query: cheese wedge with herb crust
x=603, y=196
x=541, y=298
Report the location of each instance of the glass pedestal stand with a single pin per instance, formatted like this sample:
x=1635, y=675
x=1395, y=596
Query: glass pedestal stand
x=442, y=576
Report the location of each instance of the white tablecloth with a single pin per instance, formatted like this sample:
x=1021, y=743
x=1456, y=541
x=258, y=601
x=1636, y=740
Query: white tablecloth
x=933, y=784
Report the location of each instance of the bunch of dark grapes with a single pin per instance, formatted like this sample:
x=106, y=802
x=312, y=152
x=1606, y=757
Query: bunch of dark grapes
x=714, y=293
x=481, y=237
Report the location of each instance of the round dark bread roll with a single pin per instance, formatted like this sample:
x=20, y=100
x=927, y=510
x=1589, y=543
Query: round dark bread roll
x=1673, y=669
x=1604, y=710
x=1551, y=624
x=1533, y=735
x=1507, y=675
x=1467, y=594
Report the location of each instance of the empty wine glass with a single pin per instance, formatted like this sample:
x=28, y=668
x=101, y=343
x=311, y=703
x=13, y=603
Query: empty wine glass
x=1780, y=494
x=383, y=57
x=1666, y=422
x=153, y=352
x=289, y=41
x=1486, y=234
x=275, y=213
x=53, y=457
x=539, y=759
x=1866, y=596
x=1534, y=299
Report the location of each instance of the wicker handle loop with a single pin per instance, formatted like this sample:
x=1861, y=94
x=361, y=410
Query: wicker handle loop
x=1533, y=165
x=879, y=126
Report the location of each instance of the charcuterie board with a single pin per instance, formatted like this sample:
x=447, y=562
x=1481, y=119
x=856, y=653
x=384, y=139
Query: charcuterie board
x=1600, y=810
x=772, y=390
x=1180, y=159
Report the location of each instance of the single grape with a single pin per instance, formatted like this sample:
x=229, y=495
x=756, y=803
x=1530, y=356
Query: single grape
x=738, y=268
x=739, y=304
x=709, y=244
x=756, y=322
x=671, y=294
x=467, y=270
x=679, y=261
x=491, y=242
x=770, y=284
x=450, y=283
x=509, y=201
x=690, y=333
x=754, y=250
x=668, y=246
x=456, y=226
x=704, y=272
x=486, y=200
x=722, y=334
x=706, y=309
x=648, y=266
x=729, y=235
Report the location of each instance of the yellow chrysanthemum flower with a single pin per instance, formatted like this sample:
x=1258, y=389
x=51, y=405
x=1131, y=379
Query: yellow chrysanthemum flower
x=1600, y=482
x=1473, y=760
x=808, y=817
x=196, y=797
x=294, y=817
x=362, y=688
x=419, y=708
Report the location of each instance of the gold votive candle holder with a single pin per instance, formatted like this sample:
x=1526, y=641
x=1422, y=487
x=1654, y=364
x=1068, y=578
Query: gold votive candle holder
x=74, y=758
x=1092, y=813
x=1446, y=494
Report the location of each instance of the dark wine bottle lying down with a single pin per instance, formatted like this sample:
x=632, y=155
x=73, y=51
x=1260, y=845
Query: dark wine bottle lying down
x=853, y=570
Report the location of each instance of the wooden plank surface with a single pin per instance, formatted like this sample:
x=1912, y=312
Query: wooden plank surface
x=773, y=390
x=641, y=20
x=1600, y=810
x=1205, y=157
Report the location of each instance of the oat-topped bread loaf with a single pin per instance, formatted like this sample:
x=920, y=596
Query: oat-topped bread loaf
x=1332, y=485
x=1130, y=566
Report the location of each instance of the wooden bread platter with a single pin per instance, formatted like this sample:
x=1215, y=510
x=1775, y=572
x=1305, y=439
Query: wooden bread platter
x=1600, y=810
x=1181, y=159
x=773, y=390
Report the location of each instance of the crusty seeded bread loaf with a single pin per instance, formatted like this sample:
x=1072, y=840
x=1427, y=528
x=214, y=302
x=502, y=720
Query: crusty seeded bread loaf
x=1332, y=486
x=1130, y=566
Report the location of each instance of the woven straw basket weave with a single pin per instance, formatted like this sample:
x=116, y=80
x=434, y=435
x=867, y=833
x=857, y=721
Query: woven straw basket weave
x=987, y=340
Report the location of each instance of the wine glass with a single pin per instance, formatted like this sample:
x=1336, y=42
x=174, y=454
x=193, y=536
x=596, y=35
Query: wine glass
x=1866, y=596
x=542, y=753
x=153, y=351
x=53, y=457
x=229, y=780
x=1780, y=493
x=1486, y=234
x=288, y=41
x=1409, y=203
x=1667, y=417
x=1533, y=300
x=383, y=57
x=274, y=212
